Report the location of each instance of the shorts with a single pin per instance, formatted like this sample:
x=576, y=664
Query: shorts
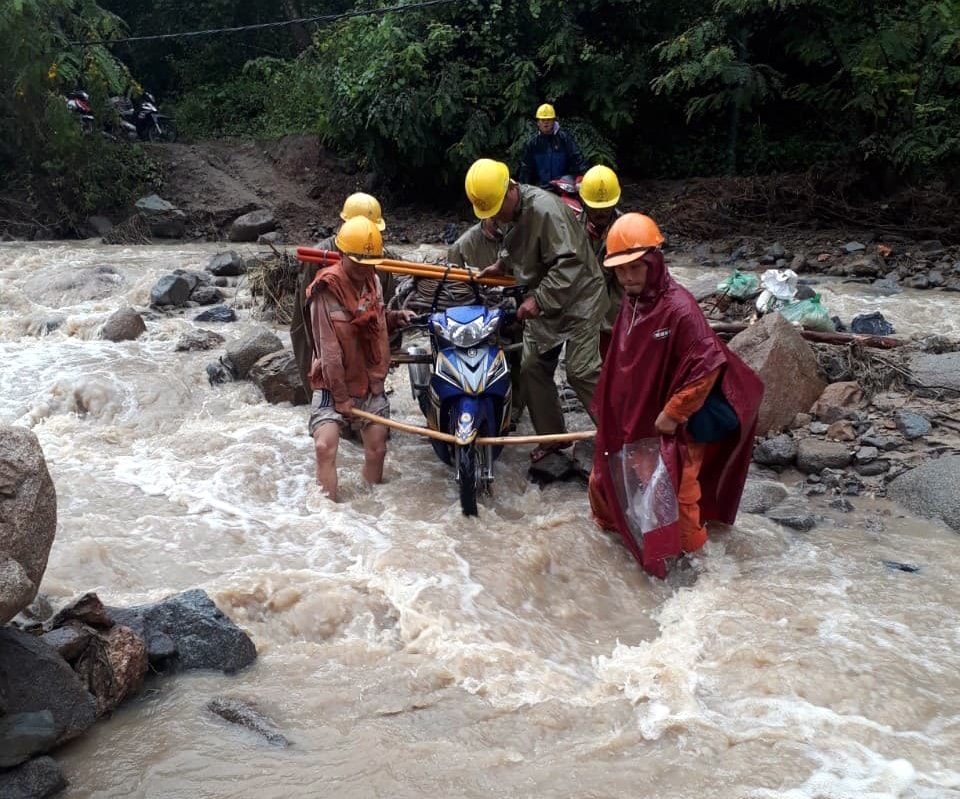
x=322, y=410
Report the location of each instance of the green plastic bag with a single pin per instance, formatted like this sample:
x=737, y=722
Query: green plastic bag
x=740, y=286
x=810, y=314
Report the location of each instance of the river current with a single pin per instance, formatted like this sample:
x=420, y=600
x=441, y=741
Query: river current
x=409, y=652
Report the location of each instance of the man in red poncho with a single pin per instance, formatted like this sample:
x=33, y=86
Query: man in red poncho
x=351, y=351
x=676, y=410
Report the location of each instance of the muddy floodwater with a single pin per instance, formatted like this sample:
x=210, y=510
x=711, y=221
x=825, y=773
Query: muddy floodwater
x=406, y=651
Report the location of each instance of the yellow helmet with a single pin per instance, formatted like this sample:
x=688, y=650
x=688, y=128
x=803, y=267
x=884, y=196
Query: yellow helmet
x=546, y=111
x=486, y=183
x=600, y=187
x=359, y=239
x=360, y=204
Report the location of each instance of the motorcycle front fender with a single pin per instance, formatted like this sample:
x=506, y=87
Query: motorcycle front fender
x=465, y=418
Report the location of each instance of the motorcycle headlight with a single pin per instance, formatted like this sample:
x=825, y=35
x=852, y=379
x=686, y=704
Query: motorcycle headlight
x=472, y=333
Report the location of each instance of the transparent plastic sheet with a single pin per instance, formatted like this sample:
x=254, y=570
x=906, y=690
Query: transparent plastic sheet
x=643, y=486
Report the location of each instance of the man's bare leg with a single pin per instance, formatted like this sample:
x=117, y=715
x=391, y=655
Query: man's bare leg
x=326, y=439
x=374, y=452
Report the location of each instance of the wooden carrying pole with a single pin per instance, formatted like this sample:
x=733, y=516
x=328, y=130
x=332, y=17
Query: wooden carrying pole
x=416, y=269
x=481, y=441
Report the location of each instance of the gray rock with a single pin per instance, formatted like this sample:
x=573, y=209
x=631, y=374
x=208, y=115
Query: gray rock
x=936, y=372
x=198, y=340
x=866, y=454
x=759, y=496
x=841, y=504
x=23, y=735
x=553, y=468
x=278, y=377
x=799, y=263
x=887, y=286
x=219, y=313
x=244, y=714
x=854, y=246
x=170, y=290
x=243, y=354
x=917, y=282
x=273, y=237
x=188, y=631
x=776, y=351
x=884, y=443
x=777, y=250
x=164, y=219
x=777, y=451
x=794, y=517
x=206, y=295
x=193, y=277
x=123, y=325
x=912, y=425
x=249, y=226
x=37, y=679
x=39, y=778
x=28, y=519
x=931, y=490
x=935, y=278
x=226, y=264
x=873, y=468
x=815, y=489
x=815, y=456
x=819, y=428
x=69, y=642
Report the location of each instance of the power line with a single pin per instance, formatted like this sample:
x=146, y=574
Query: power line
x=267, y=25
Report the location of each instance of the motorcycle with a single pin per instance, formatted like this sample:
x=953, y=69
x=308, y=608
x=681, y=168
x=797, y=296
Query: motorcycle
x=568, y=190
x=78, y=102
x=143, y=121
x=465, y=388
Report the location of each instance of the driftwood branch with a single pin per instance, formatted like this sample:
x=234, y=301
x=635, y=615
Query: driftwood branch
x=880, y=342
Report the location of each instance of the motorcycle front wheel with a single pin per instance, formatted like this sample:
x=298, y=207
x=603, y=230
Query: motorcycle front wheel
x=166, y=132
x=468, y=476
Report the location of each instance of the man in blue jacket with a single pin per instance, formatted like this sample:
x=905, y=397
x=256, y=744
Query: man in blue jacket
x=551, y=153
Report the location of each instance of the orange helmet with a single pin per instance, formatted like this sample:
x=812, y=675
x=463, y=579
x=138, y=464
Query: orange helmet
x=630, y=237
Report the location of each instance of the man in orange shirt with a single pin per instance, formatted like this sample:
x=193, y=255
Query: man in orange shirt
x=351, y=356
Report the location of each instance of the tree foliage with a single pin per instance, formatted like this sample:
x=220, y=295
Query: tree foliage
x=43, y=155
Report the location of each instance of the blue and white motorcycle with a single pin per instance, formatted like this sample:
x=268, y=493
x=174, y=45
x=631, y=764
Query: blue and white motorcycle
x=464, y=390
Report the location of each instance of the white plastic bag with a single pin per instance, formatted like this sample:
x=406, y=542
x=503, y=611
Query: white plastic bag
x=779, y=288
x=644, y=487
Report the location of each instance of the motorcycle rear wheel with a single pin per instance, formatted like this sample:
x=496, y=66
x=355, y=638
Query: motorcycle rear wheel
x=167, y=132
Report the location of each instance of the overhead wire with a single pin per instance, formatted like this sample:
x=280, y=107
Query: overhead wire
x=267, y=25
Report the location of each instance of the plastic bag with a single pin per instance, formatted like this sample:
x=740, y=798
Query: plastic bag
x=872, y=324
x=644, y=487
x=810, y=314
x=779, y=288
x=739, y=286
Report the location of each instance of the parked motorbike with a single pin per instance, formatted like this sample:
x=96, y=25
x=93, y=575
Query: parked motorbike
x=142, y=121
x=78, y=102
x=465, y=389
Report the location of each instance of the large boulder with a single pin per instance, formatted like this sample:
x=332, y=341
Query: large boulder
x=163, y=218
x=243, y=354
x=28, y=519
x=249, y=226
x=226, y=264
x=36, y=678
x=278, y=377
x=36, y=779
x=23, y=735
x=188, y=631
x=776, y=351
x=931, y=490
x=123, y=325
x=171, y=290
x=813, y=455
x=759, y=496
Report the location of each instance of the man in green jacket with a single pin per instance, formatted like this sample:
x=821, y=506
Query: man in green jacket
x=547, y=250
x=600, y=192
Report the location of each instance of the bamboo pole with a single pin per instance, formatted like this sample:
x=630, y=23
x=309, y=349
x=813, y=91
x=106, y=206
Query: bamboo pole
x=482, y=441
